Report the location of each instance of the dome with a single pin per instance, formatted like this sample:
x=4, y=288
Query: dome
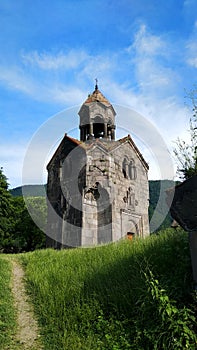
x=97, y=96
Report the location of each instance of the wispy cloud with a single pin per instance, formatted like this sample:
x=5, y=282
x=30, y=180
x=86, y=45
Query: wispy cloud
x=191, y=48
x=66, y=95
x=42, y=89
x=48, y=61
x=150, y=87
x=147, y=60
x=151, y=56
x=147, y=44
x=60, y=78
x=16, y=79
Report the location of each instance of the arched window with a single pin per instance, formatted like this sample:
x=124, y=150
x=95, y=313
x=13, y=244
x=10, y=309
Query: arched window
x=132, y=170
x=125, y=168
x=98, y=127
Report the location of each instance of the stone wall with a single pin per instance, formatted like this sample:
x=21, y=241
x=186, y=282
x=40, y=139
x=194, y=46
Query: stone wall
x=97, y=192
x=127, y=206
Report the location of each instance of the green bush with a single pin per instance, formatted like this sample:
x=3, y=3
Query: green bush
x=169, y=327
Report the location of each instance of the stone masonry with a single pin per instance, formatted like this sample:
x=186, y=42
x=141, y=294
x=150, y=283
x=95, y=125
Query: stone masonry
x=97, y=187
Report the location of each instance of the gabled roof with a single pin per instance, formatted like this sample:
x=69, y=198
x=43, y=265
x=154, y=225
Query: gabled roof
x=112, y=145
x=106, y=145
x=58, y=150
x=133, y=145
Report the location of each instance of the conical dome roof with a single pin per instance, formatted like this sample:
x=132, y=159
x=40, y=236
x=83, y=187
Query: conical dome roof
x=97, y=96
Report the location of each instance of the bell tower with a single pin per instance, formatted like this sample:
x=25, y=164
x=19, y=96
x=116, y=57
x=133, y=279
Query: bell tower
x=97, y=187
x=97, y=118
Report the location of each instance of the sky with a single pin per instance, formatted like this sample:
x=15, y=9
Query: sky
x=143, y=53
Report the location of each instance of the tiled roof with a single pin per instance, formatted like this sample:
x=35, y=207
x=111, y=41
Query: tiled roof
x=97, y=96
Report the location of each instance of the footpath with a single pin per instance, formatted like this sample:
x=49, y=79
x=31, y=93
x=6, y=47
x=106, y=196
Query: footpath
x=27, y=331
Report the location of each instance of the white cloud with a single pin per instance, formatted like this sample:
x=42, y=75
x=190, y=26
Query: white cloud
x=191, y=55
x=48, y=61
x=44, y=90
x=149, y=83
x=16, y=79
x=65, y=88
x=65, y=95
x=191, y=48
x=151, y=56
x=99, y=66
x=147, y=44
x=167, y=113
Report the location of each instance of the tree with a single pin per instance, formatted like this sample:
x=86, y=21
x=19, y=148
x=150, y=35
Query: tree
x=6, y=212
x=27, y=236
x=18, y=232
x=186, y=153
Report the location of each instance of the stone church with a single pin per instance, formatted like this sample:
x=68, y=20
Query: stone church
x=97, y=187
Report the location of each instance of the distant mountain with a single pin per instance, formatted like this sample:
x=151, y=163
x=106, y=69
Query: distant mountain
x=39, y=190
x=157, y=190
x=157, y=195
x=29, y=191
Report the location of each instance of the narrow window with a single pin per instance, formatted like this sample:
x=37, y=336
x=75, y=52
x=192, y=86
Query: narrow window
x=132, y=170
x=125, y=168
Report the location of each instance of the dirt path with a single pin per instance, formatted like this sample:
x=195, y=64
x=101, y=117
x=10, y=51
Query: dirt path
x=27, y=333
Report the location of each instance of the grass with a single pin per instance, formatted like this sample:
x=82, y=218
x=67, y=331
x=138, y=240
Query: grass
x=127, y=295
x=7, y=310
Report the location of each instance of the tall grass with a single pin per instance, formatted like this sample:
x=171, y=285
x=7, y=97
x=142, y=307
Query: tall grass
x=7, y=311
x=127, y=295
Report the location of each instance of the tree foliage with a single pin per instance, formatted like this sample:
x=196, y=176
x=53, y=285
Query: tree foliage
x=6, y=211
x=157, y=204
x=18, y=232
x=186, y=152
x=27, y=236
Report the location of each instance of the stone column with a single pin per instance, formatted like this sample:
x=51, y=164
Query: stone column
x=105, y=130
x=113, y=134
x=82, y=133
x=127, y=169
x=91, y=131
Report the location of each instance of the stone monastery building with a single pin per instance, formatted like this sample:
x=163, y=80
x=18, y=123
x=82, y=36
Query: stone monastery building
x=97, y=187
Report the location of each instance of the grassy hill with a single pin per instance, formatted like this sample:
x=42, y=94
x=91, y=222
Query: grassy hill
x=128, y=295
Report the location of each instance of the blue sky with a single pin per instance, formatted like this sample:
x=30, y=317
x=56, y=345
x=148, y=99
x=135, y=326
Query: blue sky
x=144, y=54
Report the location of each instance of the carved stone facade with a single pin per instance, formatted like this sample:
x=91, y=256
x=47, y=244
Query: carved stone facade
x=97, y=187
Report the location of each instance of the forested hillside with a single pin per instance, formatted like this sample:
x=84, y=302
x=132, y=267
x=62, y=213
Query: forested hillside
x=18, y=232
x=29, y=191
x=157, y=204
x=156, y=192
